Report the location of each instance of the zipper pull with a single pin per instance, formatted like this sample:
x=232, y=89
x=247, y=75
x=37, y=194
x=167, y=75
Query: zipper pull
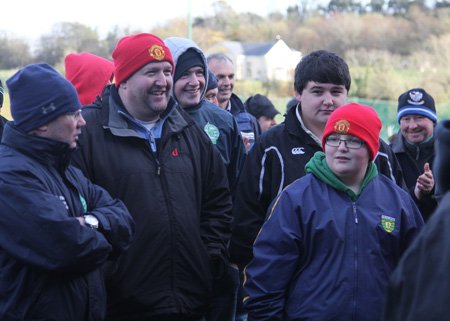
x=159, y=170
x=354, y=213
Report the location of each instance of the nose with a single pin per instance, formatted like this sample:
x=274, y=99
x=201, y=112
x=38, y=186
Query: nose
x=273, y=122
x=327, y=99
x=226, y=81
x=412, y=124
x=81, y=122
x=161, y=79
x=342, y=146
x=193, y=79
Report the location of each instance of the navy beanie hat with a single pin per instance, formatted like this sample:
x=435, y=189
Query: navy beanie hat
x=416, y=102
x=212, y=81
x=38, y=95
x=191, y=58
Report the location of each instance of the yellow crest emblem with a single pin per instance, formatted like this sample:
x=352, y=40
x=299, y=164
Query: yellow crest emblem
x=157, y=52
x=388, y=223
x=341, y=126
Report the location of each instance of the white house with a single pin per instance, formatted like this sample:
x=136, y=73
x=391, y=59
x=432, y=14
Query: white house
x=260, y=60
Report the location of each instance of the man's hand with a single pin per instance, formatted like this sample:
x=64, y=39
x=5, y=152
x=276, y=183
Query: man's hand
x=246, y=142
x=425, y=183
x=81, y=219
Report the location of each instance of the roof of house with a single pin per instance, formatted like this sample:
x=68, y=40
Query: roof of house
x=248, y=48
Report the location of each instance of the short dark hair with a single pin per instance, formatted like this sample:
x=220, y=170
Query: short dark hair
x=323, y=67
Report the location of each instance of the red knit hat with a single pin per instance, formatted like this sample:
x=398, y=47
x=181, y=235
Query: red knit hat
x=358, y=120
x=89, y=74
x=133, y=52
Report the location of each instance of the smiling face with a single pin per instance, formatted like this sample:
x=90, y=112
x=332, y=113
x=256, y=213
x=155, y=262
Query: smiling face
x=416, y=128
x=318, y=101
x=65, y=128
x=348, y=164
x=189, y=87
x=224, y=71
x=146, y=93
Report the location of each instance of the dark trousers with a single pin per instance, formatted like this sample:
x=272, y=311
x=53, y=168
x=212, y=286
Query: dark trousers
x=223, y=303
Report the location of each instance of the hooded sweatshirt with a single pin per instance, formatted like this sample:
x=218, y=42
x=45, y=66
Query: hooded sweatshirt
x=89, y=74
x=218, y=124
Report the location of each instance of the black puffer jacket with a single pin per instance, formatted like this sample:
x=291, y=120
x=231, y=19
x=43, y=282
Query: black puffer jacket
x=413, y=167
x=179, y=198
x=49, y=263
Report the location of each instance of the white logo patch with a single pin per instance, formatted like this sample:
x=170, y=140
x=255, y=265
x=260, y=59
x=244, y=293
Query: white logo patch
x=298, y=150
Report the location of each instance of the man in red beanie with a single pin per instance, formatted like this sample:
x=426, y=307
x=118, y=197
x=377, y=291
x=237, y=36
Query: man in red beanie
x=329, y=246
x=142, y=147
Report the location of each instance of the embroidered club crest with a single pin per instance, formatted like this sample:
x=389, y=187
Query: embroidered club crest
x=388, y=223
x=416, y=97
x=341, y=126
x=212, y=131
x=157, y=52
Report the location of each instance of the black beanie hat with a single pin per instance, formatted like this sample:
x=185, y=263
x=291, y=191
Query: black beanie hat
x=191, y=58
x=212, y=81
x=416, y=102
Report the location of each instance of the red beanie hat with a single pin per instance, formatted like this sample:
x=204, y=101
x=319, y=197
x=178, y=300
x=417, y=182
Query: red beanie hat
x=89, y=74
x=358, y=120
x=133, y=52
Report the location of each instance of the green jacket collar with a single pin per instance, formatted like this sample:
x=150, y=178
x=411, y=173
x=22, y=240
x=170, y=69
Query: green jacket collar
x=319, y=168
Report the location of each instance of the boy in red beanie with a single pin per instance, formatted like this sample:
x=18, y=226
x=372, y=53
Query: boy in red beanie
x=333, y=237
x=140, y=145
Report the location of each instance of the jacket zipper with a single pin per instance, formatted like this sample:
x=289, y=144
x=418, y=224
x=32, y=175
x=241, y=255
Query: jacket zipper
x=355, y=240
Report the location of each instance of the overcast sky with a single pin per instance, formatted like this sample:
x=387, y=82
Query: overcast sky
x=29, y=19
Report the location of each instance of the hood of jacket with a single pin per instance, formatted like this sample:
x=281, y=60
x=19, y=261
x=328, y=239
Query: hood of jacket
x=89, y=74
x=179, y=46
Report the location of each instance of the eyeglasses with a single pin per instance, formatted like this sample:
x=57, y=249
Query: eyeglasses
x=353, y=143
x=74, y=114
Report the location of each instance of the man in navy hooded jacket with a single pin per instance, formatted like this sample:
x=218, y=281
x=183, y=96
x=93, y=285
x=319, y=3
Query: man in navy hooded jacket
x=57, y=229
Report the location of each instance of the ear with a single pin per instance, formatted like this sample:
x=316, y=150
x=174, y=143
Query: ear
x=123, y=85
x=298, y=96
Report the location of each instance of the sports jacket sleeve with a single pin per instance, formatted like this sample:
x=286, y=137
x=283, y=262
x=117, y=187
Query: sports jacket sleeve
x=117, y=225
x=277, y=250
x=388, y=165
x=238, y=156
x=250, y=205
x=216, y=209
x=36, y=229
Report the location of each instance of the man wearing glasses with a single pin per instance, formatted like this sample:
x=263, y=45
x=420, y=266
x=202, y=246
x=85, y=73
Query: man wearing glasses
x=57, y=229
x=328, y=247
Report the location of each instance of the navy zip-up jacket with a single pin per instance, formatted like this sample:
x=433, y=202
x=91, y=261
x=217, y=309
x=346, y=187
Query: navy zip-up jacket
x=322, y=256
x=49, y=263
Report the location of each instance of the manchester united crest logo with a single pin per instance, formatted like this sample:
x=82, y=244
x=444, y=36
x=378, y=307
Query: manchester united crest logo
x=388, y=223
x=157, y=52
x=341, y=126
